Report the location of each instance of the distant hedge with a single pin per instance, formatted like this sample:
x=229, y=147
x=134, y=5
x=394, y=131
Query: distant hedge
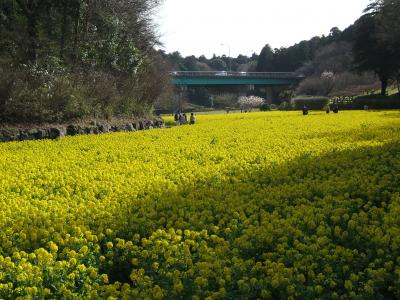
x=310, y=102
x=377, y=102
x=265, y=107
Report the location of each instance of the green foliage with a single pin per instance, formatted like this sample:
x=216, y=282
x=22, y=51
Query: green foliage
x=192, y=63
x=265, y=60
x=273, y=106
x=225, y=101
x=286, y=95
x=74, y=58
x=376, y=47
x=219, y=65
x=292, y=58
x=316, y=103
x=265, y=107
x=377, y=102
x=51, y=94
x=200, y=96
x=285, y=106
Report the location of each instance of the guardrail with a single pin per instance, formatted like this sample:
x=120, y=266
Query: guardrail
x=235, y=74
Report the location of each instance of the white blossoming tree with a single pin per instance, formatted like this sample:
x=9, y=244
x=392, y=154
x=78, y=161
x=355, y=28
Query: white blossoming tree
x=247, y=103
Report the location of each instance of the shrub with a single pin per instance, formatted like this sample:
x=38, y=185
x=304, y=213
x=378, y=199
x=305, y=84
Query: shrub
x=49, y=93
x=273, y=106
x=40, y=93
x=311, y=102
x=285, y=106
x=265, y=107
x=224, y=101
x=377, y=102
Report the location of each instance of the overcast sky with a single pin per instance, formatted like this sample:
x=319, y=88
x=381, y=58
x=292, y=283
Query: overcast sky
x=196, y=27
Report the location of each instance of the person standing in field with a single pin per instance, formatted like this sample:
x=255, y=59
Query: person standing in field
x=184, y=119
x=305, y=110
x=327, y=109
x=192, y=119
x=177, y=119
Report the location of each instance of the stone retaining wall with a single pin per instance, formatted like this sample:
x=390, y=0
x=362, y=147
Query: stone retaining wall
x=59, y=131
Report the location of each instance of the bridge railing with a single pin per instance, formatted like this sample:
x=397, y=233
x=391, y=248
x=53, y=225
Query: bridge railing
x=234, y=74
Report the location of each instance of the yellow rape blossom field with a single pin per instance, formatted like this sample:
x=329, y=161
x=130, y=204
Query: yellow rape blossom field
x=263, y=205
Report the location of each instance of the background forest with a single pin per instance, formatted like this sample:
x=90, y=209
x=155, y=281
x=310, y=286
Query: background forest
x=357, y=61
x=77, y=59
x=68, y=59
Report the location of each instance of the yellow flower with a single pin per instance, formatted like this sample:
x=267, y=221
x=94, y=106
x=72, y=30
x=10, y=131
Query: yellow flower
x=53, y=247
x=84, y=250
x=71, y=276
x=158, y=292
x=104, y=278
x=46, y=292
x=73, y=262
x=254, y=201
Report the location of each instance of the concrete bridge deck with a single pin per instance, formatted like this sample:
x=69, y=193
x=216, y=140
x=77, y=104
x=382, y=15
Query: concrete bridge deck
x=234, y=78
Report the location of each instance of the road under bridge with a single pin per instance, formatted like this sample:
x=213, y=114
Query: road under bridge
x=266, y=82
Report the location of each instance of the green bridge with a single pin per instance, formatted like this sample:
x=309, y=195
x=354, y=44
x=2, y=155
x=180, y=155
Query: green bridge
x=188, y=78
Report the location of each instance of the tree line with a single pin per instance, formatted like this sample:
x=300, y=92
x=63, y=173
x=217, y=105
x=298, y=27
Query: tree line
x=345, y=62
x=348, y=62
x=377, y=41
x=371, y=46
x=63, y=59
x=76, y=59
x=177, y=62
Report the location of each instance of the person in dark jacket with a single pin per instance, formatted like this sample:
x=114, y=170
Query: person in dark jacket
x=192, y=119
x=305, y=110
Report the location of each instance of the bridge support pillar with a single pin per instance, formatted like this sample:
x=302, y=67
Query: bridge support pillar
x=182, y=89
x=269, y=94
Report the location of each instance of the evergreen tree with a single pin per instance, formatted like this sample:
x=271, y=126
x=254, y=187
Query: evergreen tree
x=371, y=52
x=266, y=60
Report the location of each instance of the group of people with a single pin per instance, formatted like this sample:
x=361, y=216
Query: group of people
x=335, y=109
x=181, y=119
